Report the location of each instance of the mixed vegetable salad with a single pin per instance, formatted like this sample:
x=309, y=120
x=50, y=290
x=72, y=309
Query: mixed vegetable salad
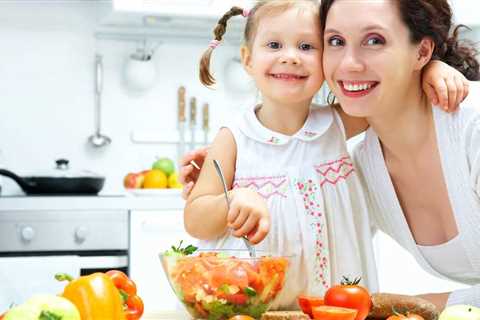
x=215, y=285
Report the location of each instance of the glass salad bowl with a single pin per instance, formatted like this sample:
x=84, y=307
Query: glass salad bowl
x=218, y=284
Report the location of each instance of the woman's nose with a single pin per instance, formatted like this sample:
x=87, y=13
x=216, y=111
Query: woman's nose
x=352, y=61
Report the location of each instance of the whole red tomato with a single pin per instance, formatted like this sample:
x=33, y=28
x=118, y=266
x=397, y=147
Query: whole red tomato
x=350, y=295
x=408, y=316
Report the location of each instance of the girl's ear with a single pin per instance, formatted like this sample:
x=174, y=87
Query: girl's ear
x=246, y=58
x=425, y=51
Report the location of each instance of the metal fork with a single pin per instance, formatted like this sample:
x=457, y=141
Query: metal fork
x=250, y=247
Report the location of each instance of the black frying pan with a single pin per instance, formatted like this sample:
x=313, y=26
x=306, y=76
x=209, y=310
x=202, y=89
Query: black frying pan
x=46, y=185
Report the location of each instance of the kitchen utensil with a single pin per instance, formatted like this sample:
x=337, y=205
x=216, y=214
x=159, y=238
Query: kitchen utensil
x=193, y=120
x=98, y=140
x=59, y=182
x=140, y=72
x=181, y=123
x=194, y=164
x=219, y=274
x=250, y=247
x=205, y=127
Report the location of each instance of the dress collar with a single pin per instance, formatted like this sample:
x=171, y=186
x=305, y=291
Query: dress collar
x=318, y=121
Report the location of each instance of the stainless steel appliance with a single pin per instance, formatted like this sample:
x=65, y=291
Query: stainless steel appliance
x=34, y=245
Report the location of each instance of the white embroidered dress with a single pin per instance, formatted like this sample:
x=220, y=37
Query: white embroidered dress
x=317, y=207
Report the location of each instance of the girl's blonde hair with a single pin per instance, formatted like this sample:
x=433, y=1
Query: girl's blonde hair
x=262, y=8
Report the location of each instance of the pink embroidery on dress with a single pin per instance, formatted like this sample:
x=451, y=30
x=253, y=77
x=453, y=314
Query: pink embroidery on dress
x=334, y=171
x=265, y=186
x=309, y=192
x=273, y=140
x=309, y=134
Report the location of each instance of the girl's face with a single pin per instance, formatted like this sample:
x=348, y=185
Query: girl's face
x=285, y=57
x=369, y=62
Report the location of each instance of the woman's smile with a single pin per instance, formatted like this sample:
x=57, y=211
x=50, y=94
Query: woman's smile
x=356, y=89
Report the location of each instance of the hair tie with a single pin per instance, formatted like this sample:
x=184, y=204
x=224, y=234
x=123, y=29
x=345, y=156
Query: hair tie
x=214, y=43
x=246, y=13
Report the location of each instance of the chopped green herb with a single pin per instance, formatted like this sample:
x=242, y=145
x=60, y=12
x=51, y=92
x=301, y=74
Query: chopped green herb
x=188, y=250
x=250, y=291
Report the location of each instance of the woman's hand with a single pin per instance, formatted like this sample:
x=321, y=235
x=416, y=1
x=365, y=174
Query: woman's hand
x=188, y=173
x=248, y=215
x=444, y=85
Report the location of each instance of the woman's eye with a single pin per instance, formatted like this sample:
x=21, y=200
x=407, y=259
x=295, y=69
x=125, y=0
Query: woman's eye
x=274, y=45
x=335, y=42
x=374, y=41
x=305, y=46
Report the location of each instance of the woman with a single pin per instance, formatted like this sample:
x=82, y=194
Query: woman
x=365, y=42
x=421, y=166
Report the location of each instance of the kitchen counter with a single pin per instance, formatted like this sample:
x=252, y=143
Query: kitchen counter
x=160, y=200
x=167, y=315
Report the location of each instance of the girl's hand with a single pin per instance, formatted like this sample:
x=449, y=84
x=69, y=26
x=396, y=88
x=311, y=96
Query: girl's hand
x=444, y=85
x=248, y=215
x=188, y=173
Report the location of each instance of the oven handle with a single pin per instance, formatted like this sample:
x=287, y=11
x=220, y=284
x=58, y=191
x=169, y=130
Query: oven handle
x=103, y=262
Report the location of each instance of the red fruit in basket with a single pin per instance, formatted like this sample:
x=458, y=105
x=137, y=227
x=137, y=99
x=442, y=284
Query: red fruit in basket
x=133, y=180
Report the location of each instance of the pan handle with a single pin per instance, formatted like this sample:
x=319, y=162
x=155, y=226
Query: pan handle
x=21, y=182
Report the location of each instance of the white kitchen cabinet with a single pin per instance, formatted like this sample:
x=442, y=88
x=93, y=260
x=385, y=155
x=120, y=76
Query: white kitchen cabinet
x=152, y=232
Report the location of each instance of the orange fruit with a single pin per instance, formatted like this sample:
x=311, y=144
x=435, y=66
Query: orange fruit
x=333, y=313
x=155, y=179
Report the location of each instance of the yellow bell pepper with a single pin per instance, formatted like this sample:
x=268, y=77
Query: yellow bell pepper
x=95, y=296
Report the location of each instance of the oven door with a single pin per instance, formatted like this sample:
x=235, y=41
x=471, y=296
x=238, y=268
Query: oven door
x=22, y=277
x=35, y=245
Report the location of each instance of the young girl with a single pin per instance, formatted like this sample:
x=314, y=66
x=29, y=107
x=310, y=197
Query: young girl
x=293, y=188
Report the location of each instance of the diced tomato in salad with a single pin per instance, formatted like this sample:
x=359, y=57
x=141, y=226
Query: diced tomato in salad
x=217, y=287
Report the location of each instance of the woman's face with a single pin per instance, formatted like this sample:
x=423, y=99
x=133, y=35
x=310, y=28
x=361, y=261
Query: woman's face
x=369, y=62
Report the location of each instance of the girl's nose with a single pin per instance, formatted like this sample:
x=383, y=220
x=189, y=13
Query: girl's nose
x=290, y=56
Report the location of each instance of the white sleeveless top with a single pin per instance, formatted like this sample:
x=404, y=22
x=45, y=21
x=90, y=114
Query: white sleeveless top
x=318, y=212
x=440, y=258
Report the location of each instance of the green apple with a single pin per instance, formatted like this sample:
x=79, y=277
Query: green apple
x=460, y=312
x=44, y=307
x=164, y=164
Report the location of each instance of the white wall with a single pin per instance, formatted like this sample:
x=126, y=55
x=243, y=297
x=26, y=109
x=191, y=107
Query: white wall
x=47, y=95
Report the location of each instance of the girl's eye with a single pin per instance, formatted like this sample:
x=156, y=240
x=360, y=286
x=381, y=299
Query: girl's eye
x=335, y=42
x=375, y=41
x=274, y=45
x=305, y=46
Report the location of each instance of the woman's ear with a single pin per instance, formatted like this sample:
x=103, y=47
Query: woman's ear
x=425, y=52
x=246, y=58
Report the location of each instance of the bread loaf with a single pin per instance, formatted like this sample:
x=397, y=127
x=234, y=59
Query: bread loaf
x=384, y=305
